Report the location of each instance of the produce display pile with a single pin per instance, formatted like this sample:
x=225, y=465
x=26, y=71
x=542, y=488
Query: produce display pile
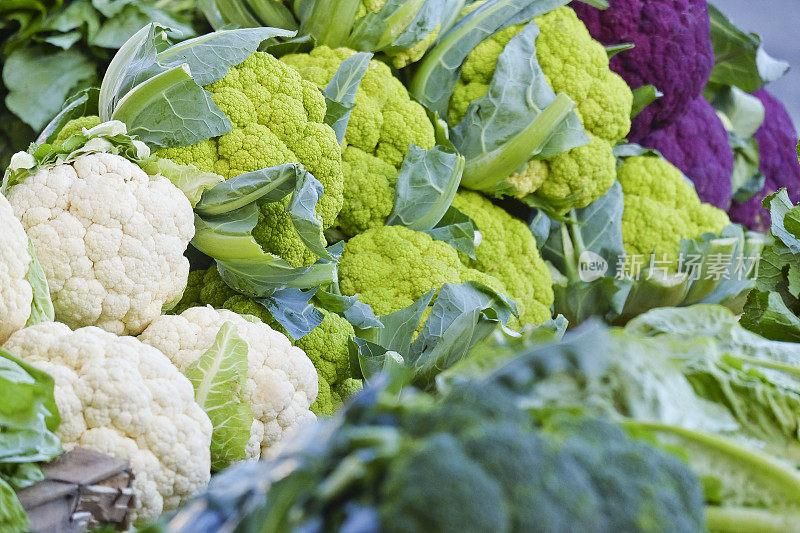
x=383, y=265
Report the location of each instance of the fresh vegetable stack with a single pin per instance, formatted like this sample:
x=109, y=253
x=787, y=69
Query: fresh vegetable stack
x=401, y=266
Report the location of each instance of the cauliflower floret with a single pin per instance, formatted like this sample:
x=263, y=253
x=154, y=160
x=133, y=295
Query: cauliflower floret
x=123, y=398
x=277, y=118
x=326, y=345
x=578, y=176
x=508, y=252
x=383, y=125
x=110, y=239
x=281, y=382
x=16, y=293
x=390, y=267
x=661, y=208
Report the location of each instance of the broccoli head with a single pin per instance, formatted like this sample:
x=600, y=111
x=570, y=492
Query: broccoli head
x=326, y=345
x=697, y=143
x=508, y=252
x=277, y=118
x=661, y=208
x=672, y=51
x=578, y=66
x=777, y=139
x=390, y=267
x=468, y=459
x=383, y=125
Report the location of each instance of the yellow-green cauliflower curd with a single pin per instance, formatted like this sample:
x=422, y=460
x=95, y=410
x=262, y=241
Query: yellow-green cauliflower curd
x=508, y=252
x=578, y=66
x=384, y=123
x=277, y=118
x=390, y=267
x=661, y=208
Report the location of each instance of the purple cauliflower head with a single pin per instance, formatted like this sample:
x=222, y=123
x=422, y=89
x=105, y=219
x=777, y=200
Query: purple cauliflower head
x=777, y=139
x=698, y=145
x=673, y=51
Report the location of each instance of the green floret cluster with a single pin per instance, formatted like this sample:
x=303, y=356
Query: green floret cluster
x=661, y=208
x=277, y=118
x=76, y=126
x=383, y=125
x=390, y=267
x=508, y=252
x=578, y=66
x=326, y=345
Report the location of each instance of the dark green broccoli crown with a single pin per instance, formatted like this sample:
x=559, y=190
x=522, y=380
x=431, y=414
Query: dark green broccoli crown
x=436, y=487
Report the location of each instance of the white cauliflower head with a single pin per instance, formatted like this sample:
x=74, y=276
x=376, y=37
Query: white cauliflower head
x=110, y=239
x=281, y=379
x=124, y=398
x=16, y=293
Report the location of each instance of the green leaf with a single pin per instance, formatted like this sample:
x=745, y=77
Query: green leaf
x=426, y=185
x=359, y=314
x=41, y=305
x=461, y=317
x=785, y=219
x=381, y=30
x=740, y=58
x=766, y=313
x=741, y=113
x=28, y=413
x=188, y=178
x=228, y=48
x=438, y=73
x=39, y=81
x=615, y=49
x=340, y=93
x=125, y=22
x=219, y=378
x=232, y=208
x=746, y=178
x=643, y=97
x=293, y=310
x=330, y=22
x=458, y=230
x=399, y=327
x=80, y=104
x=12, y=515
x=171, y=109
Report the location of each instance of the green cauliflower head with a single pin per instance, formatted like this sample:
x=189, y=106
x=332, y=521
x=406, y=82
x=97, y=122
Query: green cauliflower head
x=390, y=267
x=508, y=252
x=277, y=118
x=578, y=66
x=661, y=208
x=326, y=345
x=383, y=125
